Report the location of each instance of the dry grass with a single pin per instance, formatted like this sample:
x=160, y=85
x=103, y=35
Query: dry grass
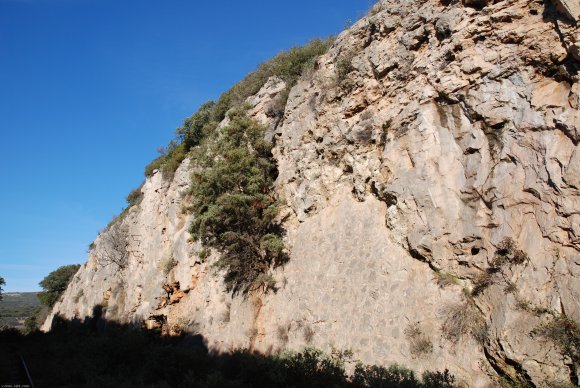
x=565, y=333
x=508, y=253
x=445, y=279
x=168, y=265
x=483, y=280
x=308, y=334
x=464, y=319
x=419, y=343
x=343, y=68
x=282, y=333
x=375, y=9
x=526, y=305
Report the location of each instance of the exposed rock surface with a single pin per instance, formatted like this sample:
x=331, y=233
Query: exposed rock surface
x=455, y=127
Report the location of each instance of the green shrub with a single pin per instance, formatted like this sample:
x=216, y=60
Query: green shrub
x=55, y=283
x=30, y=324
x=234, y=206
x=169, y=160
x=176, y=153
x=134, y=196
x=343, y=68
x=397, y=376
x=196, y=127
x=154, y=165
x=438, y=379
x=288, y=65
x=203, y=253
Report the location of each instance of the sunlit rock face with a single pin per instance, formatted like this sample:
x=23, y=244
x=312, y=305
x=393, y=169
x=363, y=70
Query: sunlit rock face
x=430, y=135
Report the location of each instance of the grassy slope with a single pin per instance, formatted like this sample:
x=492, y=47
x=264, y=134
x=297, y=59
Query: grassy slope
x=15, y=307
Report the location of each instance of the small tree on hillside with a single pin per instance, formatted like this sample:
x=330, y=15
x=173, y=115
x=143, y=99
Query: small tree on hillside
x=2, y=282
x=55, y=283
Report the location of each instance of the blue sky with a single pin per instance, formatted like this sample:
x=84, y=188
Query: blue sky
x=90, y=88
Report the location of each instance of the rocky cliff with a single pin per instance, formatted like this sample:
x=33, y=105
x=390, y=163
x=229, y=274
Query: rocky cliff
x=430, y=173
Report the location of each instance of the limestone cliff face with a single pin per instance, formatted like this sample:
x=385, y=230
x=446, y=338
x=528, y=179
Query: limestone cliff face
x=428, y=136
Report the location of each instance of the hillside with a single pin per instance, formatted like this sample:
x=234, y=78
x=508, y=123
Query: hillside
x=15, y=307
x=409, y=191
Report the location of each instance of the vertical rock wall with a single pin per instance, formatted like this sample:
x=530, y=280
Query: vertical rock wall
x=428, y=135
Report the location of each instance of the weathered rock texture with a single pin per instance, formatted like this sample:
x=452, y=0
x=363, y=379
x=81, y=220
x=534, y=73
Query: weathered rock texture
x=428, y=134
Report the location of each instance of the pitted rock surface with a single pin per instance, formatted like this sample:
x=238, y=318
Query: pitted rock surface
x=455, y=127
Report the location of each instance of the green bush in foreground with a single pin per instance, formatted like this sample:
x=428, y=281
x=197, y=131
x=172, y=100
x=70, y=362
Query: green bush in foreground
x=234, y=206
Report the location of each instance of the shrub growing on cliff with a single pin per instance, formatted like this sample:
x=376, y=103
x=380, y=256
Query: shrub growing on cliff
x=135, y=196
x=565, y=333
x=343, y=68
x=196, y=127
x=419, y=343
x=288, y=65
x=234, y=206
x=508, y=253
x=464, y=319
x=55, y=283
x=114, y=246
x=169, y=160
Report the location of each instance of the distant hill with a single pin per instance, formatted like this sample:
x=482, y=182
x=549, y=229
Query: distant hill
x=15, y=307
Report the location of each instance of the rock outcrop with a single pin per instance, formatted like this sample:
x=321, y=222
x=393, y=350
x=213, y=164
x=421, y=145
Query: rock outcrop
x=431, y=172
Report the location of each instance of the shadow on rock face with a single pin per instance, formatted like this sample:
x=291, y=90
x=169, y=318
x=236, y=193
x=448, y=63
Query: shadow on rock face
x=96, y=352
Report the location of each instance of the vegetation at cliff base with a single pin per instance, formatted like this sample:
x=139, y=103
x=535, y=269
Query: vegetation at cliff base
x=55, y=283
x=97, y=353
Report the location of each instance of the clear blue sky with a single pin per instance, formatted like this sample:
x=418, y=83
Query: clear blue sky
x=90, y=88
